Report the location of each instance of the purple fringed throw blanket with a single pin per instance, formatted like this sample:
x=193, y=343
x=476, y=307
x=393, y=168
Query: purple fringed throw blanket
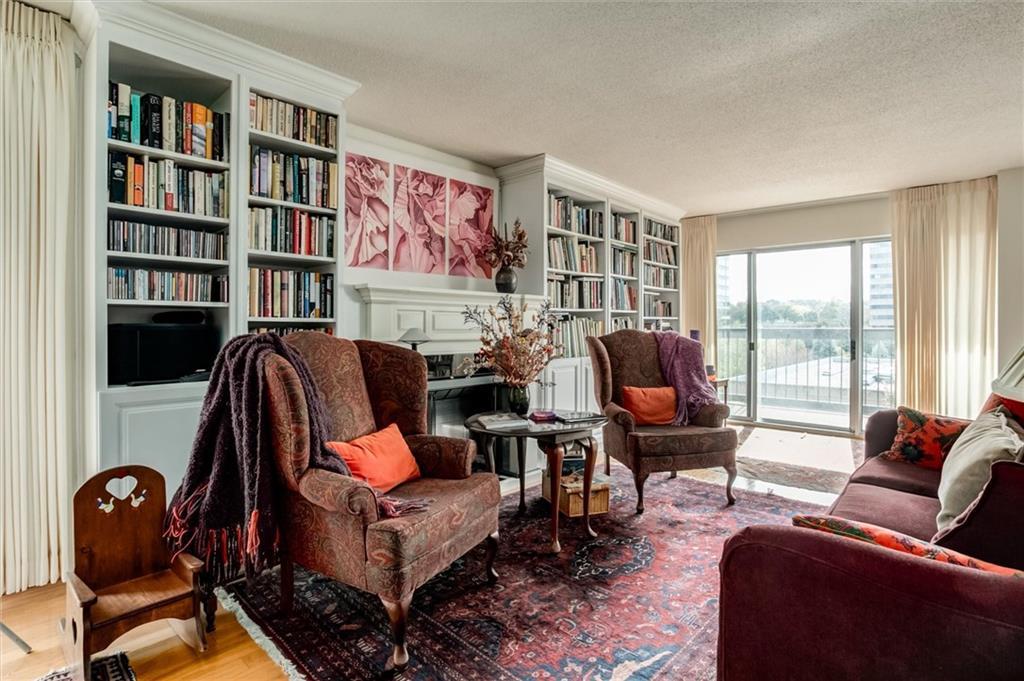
x=224, y=511
x=682, y=365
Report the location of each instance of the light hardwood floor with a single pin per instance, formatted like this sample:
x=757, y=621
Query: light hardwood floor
x=154, y=650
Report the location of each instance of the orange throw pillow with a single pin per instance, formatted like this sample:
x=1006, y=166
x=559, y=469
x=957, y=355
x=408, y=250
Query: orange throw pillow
x=1012, y=406
x=924, y=439
x=382, y=459
x=650, y=406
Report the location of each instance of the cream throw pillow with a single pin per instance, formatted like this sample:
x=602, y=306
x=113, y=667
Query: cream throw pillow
x=994, y=436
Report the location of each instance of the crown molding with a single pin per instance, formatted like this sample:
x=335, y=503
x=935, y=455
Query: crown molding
x=557, y=170
x=157, y=22
x=819, y=203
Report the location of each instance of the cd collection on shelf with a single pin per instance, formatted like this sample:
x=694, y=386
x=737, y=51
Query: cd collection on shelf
x=565, y=214
x=572, y=333
x=294, y=178
x=165, y=123
x=278, y=117
x=624, y=229
x=619, y=323
x=162, y=184
x=290, y=294
x=285, y=330
x=623, y=262
x=130, y=283
x=660, y=230
x=139, y=237
x=290, y=230
x=624, y=295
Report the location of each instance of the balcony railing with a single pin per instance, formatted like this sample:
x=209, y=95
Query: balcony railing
x=805, y=372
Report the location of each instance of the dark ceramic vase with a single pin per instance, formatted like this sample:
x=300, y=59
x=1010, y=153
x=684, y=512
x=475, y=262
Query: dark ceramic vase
x=506, y=280
x=519, y=399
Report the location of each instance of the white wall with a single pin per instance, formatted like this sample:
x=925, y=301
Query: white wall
x=394, y=150
x=1010, y=322
x=819, y=222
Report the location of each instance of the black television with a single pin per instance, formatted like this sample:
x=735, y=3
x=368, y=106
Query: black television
x=144, y=353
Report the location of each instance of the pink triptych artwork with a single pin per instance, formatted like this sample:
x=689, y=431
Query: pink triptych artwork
x=415, y=221
x=367, y=211
x=418, y=237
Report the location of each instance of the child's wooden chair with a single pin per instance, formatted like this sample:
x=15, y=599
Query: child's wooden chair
x=123, y=573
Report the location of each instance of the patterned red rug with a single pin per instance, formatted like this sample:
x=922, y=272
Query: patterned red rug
x=638, y=602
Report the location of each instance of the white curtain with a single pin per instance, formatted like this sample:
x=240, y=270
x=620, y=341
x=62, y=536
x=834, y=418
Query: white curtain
x=700, y=244
x=40, y=293
x=944, y=270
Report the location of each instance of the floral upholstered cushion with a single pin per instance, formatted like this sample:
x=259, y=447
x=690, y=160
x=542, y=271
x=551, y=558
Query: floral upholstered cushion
x=924, y=439
x=897, y=541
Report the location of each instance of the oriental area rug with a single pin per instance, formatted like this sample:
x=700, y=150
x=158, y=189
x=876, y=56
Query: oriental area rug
x=638, y=602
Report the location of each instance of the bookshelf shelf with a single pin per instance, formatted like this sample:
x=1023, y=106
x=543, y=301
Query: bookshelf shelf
x=264, y=201
x=277, y=257
x=629, y=312
x=164, y=217
x=580, y=275
x=624, y=245
x=657, y=290
x=660, y=318
x=655, y=263
x=178, y=261
x=184, y=160
x=282, y=143
x=577, y=310
x=624, y=277
x=271, y=321
x=659, y=240
x=141, y=302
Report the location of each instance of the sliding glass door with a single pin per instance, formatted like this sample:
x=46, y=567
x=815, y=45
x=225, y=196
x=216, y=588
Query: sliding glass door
x=790, y=326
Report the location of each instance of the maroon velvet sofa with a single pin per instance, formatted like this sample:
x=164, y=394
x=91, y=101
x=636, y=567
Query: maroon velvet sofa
x=803, y=604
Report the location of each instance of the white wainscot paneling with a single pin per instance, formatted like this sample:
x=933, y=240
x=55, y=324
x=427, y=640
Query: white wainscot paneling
x=153, y=426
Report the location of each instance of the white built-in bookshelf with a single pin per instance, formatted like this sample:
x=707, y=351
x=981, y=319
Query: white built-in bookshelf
x=660, y=274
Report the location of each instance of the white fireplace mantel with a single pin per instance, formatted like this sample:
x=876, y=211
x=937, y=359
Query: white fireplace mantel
x=389, y=311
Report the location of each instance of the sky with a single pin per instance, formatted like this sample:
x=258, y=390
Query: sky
x=806, y=274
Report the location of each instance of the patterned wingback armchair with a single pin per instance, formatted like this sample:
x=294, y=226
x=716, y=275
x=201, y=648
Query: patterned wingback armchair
x=331, y=522
x=630, y=357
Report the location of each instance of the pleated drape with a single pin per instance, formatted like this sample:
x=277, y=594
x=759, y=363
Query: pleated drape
x=944, y=271
x=40, y=294
x=700, y=243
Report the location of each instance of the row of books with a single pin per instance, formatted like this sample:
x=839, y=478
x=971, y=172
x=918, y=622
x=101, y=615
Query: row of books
x=624, y=263
x=624, y=229
x=563, y=254
x=624, y=295
x=662, y=254
x=655, y=307
x=289, y=230
x=658, y=325
x=164, y=185
x=619, y=323
x=572, y=333
x=130, y=283
x=167, y=123
x=278, y=117
x=663, y=277
x=662, y=231
x=289, y=293
x=563, y=213
x=140, y=237
x=295, y=178
x=285, y=330
x=575, y=293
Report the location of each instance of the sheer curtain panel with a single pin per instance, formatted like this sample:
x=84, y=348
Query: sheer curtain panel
x=700, y=243
x=40, y=293
x=944, y=271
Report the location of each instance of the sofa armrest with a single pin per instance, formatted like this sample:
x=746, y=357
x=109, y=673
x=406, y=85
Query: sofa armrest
x=879, y=432
x=989, y=529
x=339, y=493
x=853, y=610
x=620, y=417
x=83, y=595
x=712, y=415
x=449, y=458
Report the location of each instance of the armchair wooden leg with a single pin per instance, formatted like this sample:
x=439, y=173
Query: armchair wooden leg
x=492, y=553
x=210, y=609
x=607, y=462
x=672, y=475
x=731, y=470
x=639, y=480
x=287, y=584
x=398, y=613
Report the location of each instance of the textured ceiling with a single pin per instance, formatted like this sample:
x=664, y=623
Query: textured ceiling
x=713, y=107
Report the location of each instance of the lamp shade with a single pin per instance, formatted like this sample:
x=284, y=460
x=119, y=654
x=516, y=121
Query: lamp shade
x=414, y=337
x=1010, y=383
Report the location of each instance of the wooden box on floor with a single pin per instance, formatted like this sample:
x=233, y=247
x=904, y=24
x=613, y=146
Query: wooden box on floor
x=570, y=501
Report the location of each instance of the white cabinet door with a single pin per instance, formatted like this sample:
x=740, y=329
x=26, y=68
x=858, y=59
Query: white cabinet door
x=587, y=399
x=562, y=377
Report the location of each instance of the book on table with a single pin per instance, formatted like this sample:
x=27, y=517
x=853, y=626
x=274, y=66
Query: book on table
x=500, y=421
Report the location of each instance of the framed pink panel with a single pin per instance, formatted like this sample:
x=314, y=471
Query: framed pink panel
x=418, y=238
x=367, y=212
x=470, y=229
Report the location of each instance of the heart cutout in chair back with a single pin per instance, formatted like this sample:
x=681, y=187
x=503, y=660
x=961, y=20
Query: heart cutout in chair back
x=122, y=487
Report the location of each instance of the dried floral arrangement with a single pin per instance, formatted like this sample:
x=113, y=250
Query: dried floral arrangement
x=515, y=353
x=506, y=251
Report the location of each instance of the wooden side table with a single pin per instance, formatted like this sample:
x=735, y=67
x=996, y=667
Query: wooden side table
x=553, y=439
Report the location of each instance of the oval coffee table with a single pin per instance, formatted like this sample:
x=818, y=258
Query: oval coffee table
x=552, y=437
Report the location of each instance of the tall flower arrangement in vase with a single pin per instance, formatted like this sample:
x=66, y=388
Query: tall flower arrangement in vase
x=515, y=352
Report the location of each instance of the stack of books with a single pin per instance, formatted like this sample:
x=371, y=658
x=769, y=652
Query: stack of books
x=654, y=307
x=294, y=178
x=562, y=255
x=165, y=123
x=290, y=294
x=128, y=283
x=565, y=214
x=139, y=237
x=587, y=258
x=289, y=230
x=285, y=119
x=624, y=295
x=664, y=277
x=624, y=229
x=660, y=230
x=663, y=254
x=164, y=185
x=571, y=334
x=623, y=262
